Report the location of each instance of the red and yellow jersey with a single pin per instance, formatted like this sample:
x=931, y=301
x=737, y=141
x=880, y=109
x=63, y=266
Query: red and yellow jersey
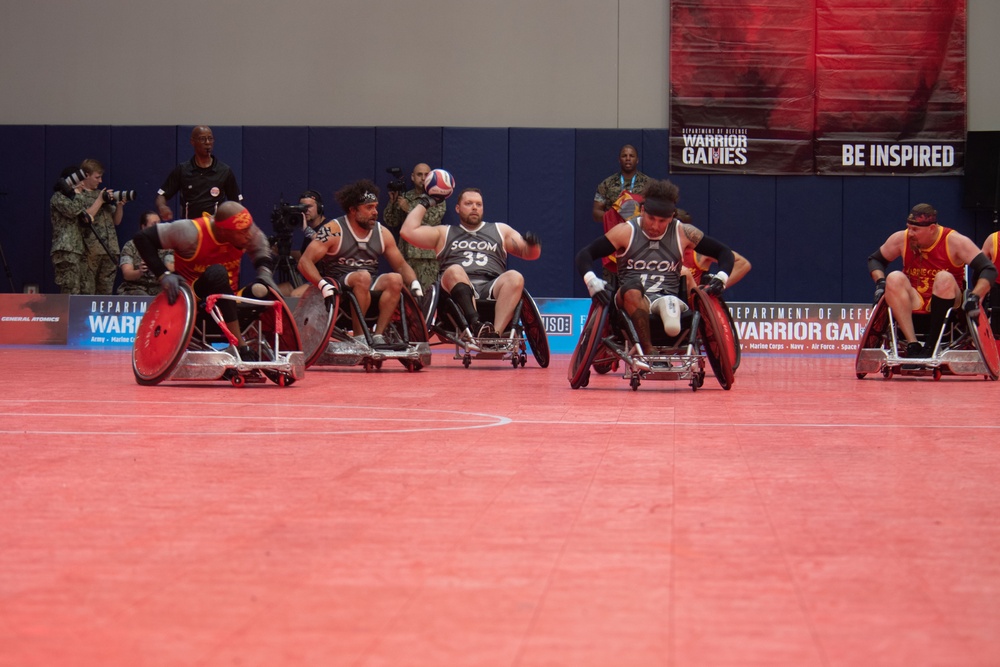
x=698, y=264
x=208, y=252
x=920, y=266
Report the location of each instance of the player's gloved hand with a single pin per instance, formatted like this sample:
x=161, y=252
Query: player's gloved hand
x=416, y=290
x=329, y=291
x=171, y=284
x=971, y=304
x=598, y=288
x=717, y=283
x=879, y=290
x=531, y=238
x=427, y=201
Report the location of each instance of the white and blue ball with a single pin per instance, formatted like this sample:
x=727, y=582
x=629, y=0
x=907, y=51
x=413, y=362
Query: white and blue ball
x=439, y=183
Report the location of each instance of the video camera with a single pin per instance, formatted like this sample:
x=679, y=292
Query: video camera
x=397, y=184
x=285, y=218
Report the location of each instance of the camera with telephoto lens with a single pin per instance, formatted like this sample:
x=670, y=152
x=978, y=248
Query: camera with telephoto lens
x=75, y=179
x=397, y=184
x=118, y=195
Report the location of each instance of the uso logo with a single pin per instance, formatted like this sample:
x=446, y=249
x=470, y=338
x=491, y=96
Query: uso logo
x=558, y=325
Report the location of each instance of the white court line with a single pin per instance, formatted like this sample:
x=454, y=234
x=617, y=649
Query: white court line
x=360, y=414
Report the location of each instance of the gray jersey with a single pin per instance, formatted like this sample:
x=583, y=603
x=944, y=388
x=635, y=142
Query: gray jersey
x=479, y=252
x=654, y=262
x=355, y=253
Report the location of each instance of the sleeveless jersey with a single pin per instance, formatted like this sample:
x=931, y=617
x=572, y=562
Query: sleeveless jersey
x=698, y=264
x=209, y=251
x=655, y=262
x=921, y=267
x=479, y=252
x=355, y=253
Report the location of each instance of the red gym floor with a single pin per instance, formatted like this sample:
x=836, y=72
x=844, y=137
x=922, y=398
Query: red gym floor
x=492, y=516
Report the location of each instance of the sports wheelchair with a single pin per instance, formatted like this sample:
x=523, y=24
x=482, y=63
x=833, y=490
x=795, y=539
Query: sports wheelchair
x=327, y=343
x=446, y=319
x=964, y=346
x=181, y=341
x=609, y=337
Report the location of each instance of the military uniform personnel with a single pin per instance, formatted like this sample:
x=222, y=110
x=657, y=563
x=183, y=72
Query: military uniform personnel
x=67, y=243
x=147, y=284
x=100, y=266
x=611, y=188
x=424, y=262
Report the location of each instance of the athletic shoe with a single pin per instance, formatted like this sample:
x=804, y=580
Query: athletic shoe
x=247, y=353
x=915, y=350
x=487, y=331
x=378, y=340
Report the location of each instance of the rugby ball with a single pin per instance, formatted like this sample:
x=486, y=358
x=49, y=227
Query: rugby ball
x=439, y=183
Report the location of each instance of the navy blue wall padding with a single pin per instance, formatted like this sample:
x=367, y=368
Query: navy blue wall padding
x=142, y=157
x=25, y=190
x=338, y=156
x=541, y=177
x=808, y=248
x=478, y=158
x=742, y=215
x=806, y=236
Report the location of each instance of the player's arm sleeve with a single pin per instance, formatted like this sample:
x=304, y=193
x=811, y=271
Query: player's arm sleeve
x=983, y=269
x=147, y=243
x=877, y=262
x=720, y=251
x=601, y=247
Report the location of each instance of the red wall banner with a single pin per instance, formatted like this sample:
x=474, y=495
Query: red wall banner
x=817, y=86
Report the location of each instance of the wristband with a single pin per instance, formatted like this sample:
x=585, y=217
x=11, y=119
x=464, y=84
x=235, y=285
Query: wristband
x=415, y=285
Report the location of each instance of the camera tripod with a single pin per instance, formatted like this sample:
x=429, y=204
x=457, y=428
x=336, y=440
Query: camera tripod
x=285, y=267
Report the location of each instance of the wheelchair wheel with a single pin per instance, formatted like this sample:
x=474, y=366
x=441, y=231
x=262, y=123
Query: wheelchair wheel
x=982, y=335
x=409, y=319
x=716, y=337
x=737, y=350
x=315, y=321
x=875, y=338
x=163, y=335
x=534, y=330
x=587, y=346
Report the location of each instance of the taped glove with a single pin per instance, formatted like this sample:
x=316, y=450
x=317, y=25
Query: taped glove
x=416, y=290
x=329, y=291
x=717, y=283
x=879, y=290
x=971, y=304
x=532, y=239
x=598, y=288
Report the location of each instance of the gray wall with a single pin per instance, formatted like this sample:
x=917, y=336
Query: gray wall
x=474, y=63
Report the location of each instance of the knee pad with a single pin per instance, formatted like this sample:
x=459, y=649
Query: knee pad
x=669, y=308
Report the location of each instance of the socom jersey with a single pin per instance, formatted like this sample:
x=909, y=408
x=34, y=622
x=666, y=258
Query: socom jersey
x=354, y=254
x=655, y=262
x=480, y=252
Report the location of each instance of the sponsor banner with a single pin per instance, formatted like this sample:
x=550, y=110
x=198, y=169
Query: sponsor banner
x=564, y=320
x=840, y=87
x=33, y=319
x=799, y=328
x=105, y=321
x=741, y=86
x=890, y=87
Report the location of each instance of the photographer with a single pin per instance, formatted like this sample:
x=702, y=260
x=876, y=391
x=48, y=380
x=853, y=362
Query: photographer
x=84, y=240
x=424, y=262
x=137, y=279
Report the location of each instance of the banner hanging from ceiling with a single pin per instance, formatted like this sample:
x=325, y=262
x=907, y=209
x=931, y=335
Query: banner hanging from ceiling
x=818, y=86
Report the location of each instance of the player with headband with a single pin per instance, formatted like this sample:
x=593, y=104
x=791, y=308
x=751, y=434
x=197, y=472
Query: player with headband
x=933, y=276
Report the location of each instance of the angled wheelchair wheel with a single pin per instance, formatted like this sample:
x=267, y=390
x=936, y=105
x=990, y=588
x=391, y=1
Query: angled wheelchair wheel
x=409, y=319
x=716, y=336
x=163, y=335
x=586, y=348
x=315, y=321
x=737, y=349
x=429, y=306
x=285, y=327
x=982, y=336
x=876, y=334
x=534, y=329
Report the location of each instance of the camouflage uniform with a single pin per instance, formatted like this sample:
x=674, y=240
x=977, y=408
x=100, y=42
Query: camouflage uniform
x=423, y=262
x=611, y=188
x=100, y=268
x=67, y=243
x=147, y=284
